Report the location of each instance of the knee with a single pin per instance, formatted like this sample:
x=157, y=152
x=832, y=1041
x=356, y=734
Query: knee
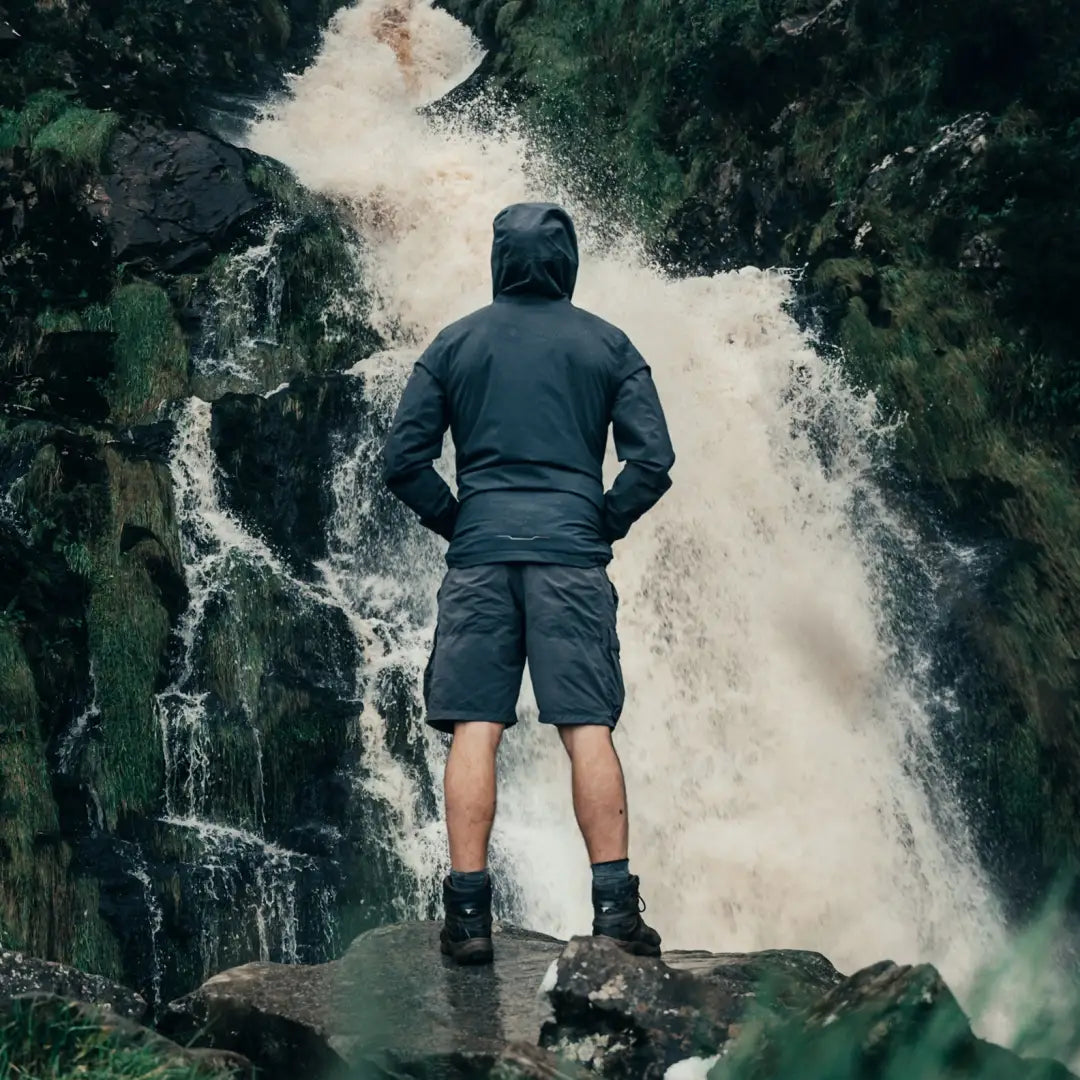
x=586, y=739
x=478, y=735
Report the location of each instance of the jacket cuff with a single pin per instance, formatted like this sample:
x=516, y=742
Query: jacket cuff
x=445, y=523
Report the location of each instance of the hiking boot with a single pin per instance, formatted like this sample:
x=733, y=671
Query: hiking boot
x=466, y=933
x=617, y=915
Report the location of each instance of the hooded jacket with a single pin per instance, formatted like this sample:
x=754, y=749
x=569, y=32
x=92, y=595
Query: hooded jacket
x=528, y=387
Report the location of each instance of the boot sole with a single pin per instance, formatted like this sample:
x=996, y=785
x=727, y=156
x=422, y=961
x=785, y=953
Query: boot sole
x=474, y=951
x=635, y=948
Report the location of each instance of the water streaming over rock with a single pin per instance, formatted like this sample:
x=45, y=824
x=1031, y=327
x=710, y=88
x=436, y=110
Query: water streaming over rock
x=233, y=866
x=776, y=743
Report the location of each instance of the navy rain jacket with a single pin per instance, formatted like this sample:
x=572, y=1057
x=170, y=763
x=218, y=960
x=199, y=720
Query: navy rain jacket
x=528, y=387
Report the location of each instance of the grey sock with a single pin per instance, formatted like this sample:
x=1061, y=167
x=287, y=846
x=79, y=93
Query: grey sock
x=607, y=875
x=468, y=880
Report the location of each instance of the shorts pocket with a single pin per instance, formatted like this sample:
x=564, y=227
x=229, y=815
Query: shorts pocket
x=428, y=668
x=618, y=687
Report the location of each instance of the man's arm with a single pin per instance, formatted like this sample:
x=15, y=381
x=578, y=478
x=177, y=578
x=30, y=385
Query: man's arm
x=414, y=442
x=642, y=441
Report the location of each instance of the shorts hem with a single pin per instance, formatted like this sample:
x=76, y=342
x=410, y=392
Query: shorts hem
x=445, y=721
x=579, y=720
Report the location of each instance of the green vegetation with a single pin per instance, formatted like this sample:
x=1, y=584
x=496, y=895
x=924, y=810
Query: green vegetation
x=25, y=800
x=73, y=146
x=19, y=126
x=54, y=1040
x=265, y=650
x=67, y=142
x=128, y=630
x=151, y=353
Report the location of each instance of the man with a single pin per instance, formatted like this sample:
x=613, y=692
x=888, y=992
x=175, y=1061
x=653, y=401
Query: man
x=529, y=387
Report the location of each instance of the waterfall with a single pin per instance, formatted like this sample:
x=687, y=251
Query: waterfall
x=776, y=741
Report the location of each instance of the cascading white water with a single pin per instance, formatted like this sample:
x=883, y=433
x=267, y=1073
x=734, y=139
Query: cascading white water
x=775, y=756
x=237, y=867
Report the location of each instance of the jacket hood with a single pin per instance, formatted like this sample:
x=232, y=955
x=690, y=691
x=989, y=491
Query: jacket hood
x=534, y=251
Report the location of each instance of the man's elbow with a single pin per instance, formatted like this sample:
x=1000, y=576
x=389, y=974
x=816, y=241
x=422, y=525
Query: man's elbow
x=394, y=468
x=660, y=467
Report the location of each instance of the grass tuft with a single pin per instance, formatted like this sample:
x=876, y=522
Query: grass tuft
x=73, y=146
x=53, y=1040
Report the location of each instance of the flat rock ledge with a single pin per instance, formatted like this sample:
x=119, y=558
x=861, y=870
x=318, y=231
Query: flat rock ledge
x=549, y=1010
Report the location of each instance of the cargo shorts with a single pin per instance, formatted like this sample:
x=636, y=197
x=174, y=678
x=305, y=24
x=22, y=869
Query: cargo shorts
x=495, y=616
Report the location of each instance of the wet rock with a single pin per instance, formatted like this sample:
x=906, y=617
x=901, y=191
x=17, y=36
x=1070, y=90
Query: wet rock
x=632, y=1016
x=830, y=17
x=279, y=1016
x=793, y=978
x=887, y=1019
x=20, y=975
x=68, y=370
x=390, y=1007
x=276, y=454
x=173, y=197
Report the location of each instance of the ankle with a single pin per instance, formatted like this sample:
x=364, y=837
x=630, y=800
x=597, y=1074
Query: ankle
x=468, y=880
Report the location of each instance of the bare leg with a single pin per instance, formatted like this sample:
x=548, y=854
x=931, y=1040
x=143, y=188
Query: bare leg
x=469, y=785
x=599, y=790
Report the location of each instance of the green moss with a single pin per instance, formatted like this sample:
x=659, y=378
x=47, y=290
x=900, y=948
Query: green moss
x=91, y=317
x=128, y=632
x=29, y=872
x=73, y=146
x=19, y=126
x=266, y=650
x=94, y=947
x=151, y=354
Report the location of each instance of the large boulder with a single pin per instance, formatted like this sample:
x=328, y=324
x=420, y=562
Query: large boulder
x=173, y=197
x=21, y=975
x=389, y=1006
x=634, y=1017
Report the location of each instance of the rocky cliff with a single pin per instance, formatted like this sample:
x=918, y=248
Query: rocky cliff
x=144, y=260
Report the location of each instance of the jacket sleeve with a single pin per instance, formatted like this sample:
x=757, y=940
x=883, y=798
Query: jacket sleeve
x=413, y=445
x=642, y=442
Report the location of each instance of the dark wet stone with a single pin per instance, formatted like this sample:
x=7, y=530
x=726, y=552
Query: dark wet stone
x=276, y=454
x=173, y=197
x=634, y=1016
x=279, y=1016
x=71, y=368
x=20, y=975
x=400, y=997
x=392, y=1006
